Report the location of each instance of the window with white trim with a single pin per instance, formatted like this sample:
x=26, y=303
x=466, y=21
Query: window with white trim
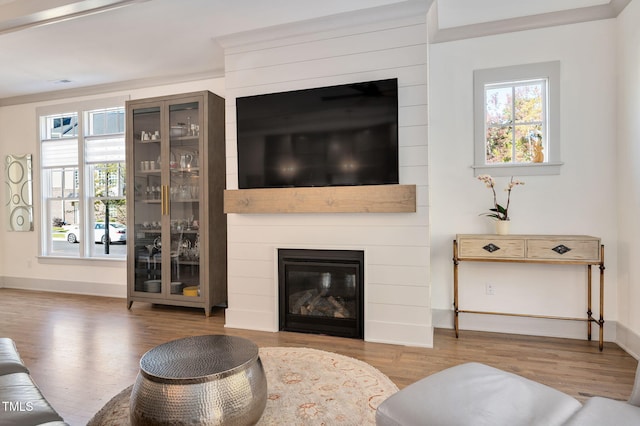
x=82, y=169
x=516, y=120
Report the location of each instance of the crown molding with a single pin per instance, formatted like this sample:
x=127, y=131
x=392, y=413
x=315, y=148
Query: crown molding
x=544, y=20
x=110, y=87
x=404, y=9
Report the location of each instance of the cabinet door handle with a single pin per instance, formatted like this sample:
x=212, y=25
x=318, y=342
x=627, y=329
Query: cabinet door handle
x=162, y=200
x=165, y=199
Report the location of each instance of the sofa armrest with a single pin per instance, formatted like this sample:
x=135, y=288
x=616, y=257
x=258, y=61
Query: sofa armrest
x=23, y=403
x=10, y=361
x=635, y=393
x=598, y=411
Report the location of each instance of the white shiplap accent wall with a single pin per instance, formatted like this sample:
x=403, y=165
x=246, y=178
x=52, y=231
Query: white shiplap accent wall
x=396, y=246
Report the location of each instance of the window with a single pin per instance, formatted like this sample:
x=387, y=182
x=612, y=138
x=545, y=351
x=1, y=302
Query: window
x=82, y=151
x=516, y=120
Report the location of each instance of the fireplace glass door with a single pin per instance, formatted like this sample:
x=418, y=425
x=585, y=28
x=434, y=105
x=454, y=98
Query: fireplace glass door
x=321, y=291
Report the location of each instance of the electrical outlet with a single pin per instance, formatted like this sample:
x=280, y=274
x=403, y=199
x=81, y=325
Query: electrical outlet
x=490, y=289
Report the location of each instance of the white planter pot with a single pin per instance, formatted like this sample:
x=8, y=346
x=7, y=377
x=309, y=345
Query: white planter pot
x=502, y=227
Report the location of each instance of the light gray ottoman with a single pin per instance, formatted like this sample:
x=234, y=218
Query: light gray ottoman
x=476, y=394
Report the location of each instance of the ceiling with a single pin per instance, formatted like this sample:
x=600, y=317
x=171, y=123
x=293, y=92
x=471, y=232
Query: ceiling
x=52, y=47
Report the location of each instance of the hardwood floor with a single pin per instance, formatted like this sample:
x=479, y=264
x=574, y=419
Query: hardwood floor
x=82, y=350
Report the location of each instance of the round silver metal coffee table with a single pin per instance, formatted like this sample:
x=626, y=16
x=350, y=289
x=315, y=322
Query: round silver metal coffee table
x=206, y=380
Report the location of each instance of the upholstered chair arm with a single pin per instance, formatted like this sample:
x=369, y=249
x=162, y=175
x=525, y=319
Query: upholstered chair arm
x=635, y=393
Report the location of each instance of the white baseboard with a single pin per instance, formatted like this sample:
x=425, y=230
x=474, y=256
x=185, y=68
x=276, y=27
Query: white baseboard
x=517, y=325
x=403, y=334
x=613, y=332
x=250, y=320
x=58, y=286
x=629, y=341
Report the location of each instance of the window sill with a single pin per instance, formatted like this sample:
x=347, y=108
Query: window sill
x=537, y=169
x=62, y=260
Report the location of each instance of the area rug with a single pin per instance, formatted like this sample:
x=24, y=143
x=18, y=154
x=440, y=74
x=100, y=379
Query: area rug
x=304, y=387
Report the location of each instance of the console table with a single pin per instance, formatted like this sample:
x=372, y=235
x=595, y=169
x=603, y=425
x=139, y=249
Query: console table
x=549, y=249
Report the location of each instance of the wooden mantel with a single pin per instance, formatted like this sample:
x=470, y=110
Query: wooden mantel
x=331, y=199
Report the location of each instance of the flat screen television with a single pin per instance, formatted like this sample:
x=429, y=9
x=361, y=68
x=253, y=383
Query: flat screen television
x=327, y=136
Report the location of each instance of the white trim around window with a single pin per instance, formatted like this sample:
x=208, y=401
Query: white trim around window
x=515, y=73
x=70, y=171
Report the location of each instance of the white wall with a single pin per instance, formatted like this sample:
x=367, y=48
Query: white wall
x=397, y=302
x=581, y=200
x=20, y=266
x=628, y=183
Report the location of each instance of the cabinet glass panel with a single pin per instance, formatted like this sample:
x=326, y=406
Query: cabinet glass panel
x=148, y=186
x=184, y=190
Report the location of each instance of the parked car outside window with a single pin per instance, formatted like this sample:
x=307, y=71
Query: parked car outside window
x=117, y=233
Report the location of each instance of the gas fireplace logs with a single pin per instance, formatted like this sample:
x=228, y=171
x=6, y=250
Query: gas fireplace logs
x=318, y=303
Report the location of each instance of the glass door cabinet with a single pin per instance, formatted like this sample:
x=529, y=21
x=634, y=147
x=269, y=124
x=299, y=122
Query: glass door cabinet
x=176, y=163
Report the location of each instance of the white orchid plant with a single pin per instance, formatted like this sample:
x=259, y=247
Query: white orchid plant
x=499, y=212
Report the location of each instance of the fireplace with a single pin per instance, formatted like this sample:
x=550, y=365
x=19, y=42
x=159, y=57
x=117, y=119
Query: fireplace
x=321, y=291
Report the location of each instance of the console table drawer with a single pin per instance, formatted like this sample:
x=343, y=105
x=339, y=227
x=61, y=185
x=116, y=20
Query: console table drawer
x=581, y=250
x=489, y=248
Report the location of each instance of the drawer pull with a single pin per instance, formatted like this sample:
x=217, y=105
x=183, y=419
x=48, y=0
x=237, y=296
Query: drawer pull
x=561, y=249
x=491, y=247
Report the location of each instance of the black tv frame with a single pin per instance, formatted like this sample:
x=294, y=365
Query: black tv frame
x=342, y=135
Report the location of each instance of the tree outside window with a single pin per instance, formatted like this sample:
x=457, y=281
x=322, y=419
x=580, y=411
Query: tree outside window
x=515, y=122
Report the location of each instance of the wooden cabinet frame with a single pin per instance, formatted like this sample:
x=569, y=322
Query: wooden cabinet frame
x=210, y=231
